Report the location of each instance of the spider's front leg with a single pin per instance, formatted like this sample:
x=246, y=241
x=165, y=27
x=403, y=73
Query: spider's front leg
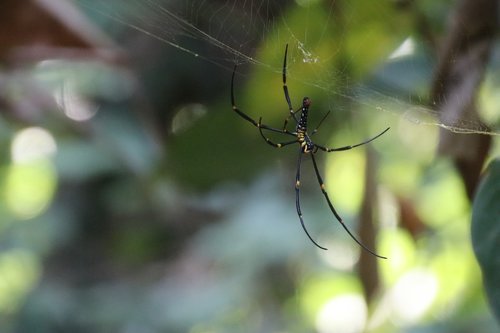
x=287, y=95
x=247, y=117
x=319, y=124
x=233, y=103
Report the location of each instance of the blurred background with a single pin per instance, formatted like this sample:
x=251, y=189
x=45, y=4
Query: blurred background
x=133, y=199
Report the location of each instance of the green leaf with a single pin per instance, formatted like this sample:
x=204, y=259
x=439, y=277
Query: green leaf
x=486, y=233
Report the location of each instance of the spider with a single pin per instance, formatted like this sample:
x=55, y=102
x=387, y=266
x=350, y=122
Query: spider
x=306, y=146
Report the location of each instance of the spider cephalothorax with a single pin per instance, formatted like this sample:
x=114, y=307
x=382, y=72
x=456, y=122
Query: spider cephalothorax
x=306, y=146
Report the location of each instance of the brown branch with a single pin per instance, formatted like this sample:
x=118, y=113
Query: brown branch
x=34, y=30
x=463, y=57
x=368, y=264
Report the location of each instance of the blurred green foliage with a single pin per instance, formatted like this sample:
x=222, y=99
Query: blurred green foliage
x=165, y=212
x=486, y=233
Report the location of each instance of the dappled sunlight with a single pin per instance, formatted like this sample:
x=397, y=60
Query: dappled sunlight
x=344, y=180
x=345, y=313
x=186, y=116
x=19, y=273
x=29, y=188
x=341, y=254
x=442, y=198
x=402, y=175
x=489, y=99
x=457, y=273
x=408, y=300
x=73, y=104
x=77, y=85
x=401, y=251
x=412, y=296
x=31, y=144
x=136, y=198
x=421, y=141
x=316, y=291
x=388, y=209
x=31, y=179
x=407, y=48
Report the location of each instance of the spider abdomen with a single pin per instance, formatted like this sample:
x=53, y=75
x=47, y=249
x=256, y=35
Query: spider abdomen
x=302, y=124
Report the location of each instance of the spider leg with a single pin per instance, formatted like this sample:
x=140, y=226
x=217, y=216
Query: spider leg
x=297, y=200
x=276, y=145
x=285, y=90
x=352, y=146
x=322, y=186
x=235, y=108
x=285, y=124
x=247, y=117
x=320, y=122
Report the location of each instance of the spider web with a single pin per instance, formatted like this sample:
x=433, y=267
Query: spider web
x=223, y=33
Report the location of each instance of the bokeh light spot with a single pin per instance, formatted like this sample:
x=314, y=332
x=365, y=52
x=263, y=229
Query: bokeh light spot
x=29, y=188
x=32, y=143
x=413, y=295
x=19, y=271
x=346, y=313
x=74, y=105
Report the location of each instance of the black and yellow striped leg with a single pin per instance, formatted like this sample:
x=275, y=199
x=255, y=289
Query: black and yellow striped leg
x=247, y=117
x=235, y=108
x=285, y=123
x=297, y=199
x=320, y=122
x=285, y=90
x=322, y=186
x=352, y=146
x=268, y=141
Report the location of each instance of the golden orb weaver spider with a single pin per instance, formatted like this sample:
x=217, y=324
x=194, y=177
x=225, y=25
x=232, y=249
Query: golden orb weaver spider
x=306, y=146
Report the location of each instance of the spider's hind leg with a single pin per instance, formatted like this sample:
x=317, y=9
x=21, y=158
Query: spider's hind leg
x=297, y=201
x=337, y=216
